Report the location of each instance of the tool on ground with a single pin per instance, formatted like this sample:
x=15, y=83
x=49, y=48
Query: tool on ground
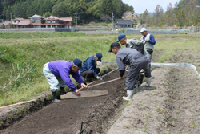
x=85, y=93
x=88, y=93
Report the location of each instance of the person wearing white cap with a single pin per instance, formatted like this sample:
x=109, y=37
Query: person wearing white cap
x=149, y=42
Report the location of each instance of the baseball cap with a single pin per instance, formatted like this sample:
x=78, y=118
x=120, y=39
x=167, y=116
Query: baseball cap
x=78, y=63
x=114, y=44
x=121, y=36
x=142, y=30
x=99, y=55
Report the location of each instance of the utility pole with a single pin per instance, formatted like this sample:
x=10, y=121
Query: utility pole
x=11, y=16
x=11, y=20
x=76, y=21
x=112, y=21
x=123, y=24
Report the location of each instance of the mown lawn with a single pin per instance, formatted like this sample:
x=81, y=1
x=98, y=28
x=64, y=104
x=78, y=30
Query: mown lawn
x=22, y=56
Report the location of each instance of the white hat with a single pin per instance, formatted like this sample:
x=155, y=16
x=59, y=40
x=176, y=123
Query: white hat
x=142, y=30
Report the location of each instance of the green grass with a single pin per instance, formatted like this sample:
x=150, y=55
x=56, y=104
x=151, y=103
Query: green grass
x=22, y=56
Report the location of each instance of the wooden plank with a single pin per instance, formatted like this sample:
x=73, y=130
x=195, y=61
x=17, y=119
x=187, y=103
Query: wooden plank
x=86, y=93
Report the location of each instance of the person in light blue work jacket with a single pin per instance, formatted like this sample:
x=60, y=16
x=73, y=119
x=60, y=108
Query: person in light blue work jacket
x=89, y=70
x=58, y=76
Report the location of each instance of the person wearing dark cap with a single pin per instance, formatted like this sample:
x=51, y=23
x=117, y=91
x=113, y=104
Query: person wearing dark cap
x=58, y=76
x=132, y=43
x=89, y=70
x=136, y=62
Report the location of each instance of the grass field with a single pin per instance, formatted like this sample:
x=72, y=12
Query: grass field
x=22, y=56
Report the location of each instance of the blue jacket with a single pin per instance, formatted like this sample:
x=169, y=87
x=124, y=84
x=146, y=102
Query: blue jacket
x=89, y=64
x=63, y=69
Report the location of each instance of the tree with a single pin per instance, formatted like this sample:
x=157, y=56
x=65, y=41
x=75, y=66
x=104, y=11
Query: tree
x=106, y=7
x=180, y=17
x=145, y=18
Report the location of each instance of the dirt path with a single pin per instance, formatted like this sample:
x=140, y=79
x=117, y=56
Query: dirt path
x=174, y=107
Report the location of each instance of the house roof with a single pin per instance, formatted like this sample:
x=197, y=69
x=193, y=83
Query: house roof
x=36, y=16
x=18, y=18
x=125, y=22
x=51, y=18
x=66, y=18
x=7, y=22
x=24, y=22
x=37, y=23
x=57, y=18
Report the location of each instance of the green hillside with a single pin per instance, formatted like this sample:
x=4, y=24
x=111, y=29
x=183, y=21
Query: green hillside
x=86, y=10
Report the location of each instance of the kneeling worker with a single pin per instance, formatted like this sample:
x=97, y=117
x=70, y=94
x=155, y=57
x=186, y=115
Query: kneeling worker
x=58, y=76
x=135, y=60
x=89, y=70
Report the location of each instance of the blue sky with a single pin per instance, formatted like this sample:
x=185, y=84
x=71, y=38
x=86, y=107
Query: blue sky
x=141, y=5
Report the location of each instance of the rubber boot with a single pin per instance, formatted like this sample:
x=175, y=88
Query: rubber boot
x=62, y=91
x=54, y=99
x=130, y=94
x=148, y=81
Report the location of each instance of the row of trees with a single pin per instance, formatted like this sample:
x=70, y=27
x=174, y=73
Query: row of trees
x=185, y=13
x=85, y=10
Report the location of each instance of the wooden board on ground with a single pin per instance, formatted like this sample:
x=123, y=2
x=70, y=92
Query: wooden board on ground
x=86, y=93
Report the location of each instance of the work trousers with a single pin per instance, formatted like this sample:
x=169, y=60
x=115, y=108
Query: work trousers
x=149, y=56
x=134, y=72
x=89, y=74
x=54, y=81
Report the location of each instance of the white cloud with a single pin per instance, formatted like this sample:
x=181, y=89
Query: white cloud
x=141, y=5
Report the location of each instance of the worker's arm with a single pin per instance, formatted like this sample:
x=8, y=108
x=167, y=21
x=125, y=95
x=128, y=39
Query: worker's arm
x=121, y=74
x=152, y=40
x=66, y=78
x=121, y=67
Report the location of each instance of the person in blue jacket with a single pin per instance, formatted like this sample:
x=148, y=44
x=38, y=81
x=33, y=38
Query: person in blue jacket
x=58, y=76
x=89, y=70
x=149, y=42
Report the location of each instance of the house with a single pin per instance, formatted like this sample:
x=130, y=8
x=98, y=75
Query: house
x=37, y=21
x=51, y=22
x=124, y=24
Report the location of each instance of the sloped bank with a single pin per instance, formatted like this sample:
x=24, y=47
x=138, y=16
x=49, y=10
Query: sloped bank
x=15, y=112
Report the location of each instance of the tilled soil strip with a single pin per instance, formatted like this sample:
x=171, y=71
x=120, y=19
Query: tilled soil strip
x=174, y=107
x=67, y=116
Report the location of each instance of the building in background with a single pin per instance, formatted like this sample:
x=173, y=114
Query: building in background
x=37, y=21
x=124, y=24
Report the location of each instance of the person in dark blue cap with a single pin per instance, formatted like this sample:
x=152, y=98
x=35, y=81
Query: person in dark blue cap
x=58, y=76
x=136, y=62
x=89, y=70
x=132, y=43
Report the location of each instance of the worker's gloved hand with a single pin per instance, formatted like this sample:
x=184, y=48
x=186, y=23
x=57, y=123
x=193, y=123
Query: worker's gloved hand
x=83, y=85
x=77, y=92
x=98, y=77
x=146, y=39
x=121, y=78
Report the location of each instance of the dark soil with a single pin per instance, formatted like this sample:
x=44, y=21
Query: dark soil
x=68, y=115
